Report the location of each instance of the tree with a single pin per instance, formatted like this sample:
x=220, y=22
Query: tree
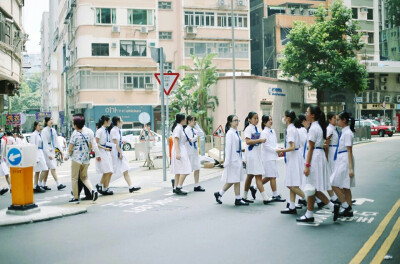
x=324, y=53
x=393, y=12
x=193, y=94
x=29, y=97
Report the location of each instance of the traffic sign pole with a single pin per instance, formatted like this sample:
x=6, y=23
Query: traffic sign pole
x=163, y=114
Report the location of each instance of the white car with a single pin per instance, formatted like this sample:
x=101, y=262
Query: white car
x=131, y=136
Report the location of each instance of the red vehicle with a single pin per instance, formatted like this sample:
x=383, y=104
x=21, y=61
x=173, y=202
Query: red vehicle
x=378, y=129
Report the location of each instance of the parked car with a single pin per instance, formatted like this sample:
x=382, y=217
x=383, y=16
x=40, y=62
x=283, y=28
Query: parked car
x=131, y=136
x=378, y=129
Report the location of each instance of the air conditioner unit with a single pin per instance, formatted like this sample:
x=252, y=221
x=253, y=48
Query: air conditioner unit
x=363, y=10
x=241, y=3
x=383, y=87
x=144, y=30
x=18, y=34
x=388, y=99
x=398, y=98
x=223, y=3
x=152, y=44
x=366, y=97
x=191, y=30
x=383, y=79
x=116, y=29
x=311, y=12
x=376, y=97
x=149, y=86
x=73, y=3
x=114, y=45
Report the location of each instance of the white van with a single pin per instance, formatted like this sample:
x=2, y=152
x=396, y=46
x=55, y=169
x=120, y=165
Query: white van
x=131, y=136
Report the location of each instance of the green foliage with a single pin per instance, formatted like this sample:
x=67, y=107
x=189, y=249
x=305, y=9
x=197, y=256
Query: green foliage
x=193, y=95
x=323, y=53
x=30, y=96
x=393, y=12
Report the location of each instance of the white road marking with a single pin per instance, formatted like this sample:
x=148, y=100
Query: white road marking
x=360, y=201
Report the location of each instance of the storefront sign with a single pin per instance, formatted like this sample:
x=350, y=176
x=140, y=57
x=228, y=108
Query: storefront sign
x=42, y=115
x=275, y=91
x=13, y=119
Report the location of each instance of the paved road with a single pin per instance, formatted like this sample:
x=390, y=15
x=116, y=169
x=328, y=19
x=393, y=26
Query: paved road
x=157, y=227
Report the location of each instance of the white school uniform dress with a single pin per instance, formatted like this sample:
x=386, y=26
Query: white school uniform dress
x=4, y=169
x=233, y=163
x=192, y=145
x=183, y=165
x=332, y=130
x=254, y=164
x=40, y=165
x=340, y=176
x=293, y=161
x=119, y=166
x=303, y=138
x=268, y=153
x=50, y=143
x=105, y=165
x=10, y=140
x=318, y=176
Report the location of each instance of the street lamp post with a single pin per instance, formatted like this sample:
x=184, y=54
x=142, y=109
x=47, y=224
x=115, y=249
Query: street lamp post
x=233, y=59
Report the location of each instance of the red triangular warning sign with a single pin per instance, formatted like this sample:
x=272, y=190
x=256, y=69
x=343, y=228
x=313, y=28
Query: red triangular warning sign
x=219, y=132
x=169, y=81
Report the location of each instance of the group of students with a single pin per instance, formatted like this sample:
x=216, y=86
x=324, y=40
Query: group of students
x=317, y=158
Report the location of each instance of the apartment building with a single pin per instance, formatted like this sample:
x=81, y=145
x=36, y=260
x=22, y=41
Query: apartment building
x=45, y=65
x=12, y=41
x=389, y=38
x=102, y=51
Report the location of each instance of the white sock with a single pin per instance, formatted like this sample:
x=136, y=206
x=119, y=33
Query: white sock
x=265, y=196
x=101, y=185
x=331, y=205
x=345, y=205
x=196, y=185
x=34, y=187
x=9, y=186
x=275, y=193
x=334, y=197
x=245, y=195
x=179, y=186
x=238, y=197
x=317, y=199
x=57, y=183
x=44, y=183
x=40, y=183
x=255, y=187
x=221, y=192
x=292, y=205
x=309, y=214
x=130, y=187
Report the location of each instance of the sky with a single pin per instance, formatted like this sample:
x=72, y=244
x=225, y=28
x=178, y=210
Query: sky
x=31, y=19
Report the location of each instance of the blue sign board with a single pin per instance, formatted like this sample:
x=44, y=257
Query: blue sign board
x=276, y=91
x=14, y=157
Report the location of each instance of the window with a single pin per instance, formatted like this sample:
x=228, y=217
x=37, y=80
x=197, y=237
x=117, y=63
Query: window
x=285, y=35
x=189, y=18
x=222, y=20
x=268, y=40
x=98, y=80
x=225, y=20
x=165, y=35
x=7, y=33
x=199, y=19
x=276, y=10
x=370, y=14
x=136, y=80
x=209, y=19
x=105, y=15
x=370, y=38
x=133, y=48
x=140, y=17
x=167, y=66
x=100, y=49
x=355, y=13
x=164, y=5
x=241, y=21
x=223, y=50
x=242, y=50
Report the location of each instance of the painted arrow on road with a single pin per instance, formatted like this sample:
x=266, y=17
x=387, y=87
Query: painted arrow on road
x=13, y=157
x=360, y=201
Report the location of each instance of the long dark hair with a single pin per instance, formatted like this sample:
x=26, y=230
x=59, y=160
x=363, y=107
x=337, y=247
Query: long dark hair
x=35, y=124
x=114, y=122
x=46, y=119
x=228, y=122
x=329, y=116
x=264, y=119
x=299, y=120
x=290, y=113
x=319, y=116
x=178, y=119
x=350, y=121
x=249, y=116
x=103, y=119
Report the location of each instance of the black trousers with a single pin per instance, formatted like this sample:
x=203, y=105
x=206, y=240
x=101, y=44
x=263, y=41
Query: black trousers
x=86, y=190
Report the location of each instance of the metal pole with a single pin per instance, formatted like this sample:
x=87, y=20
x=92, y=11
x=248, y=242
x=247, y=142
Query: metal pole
x=163, y=114
x=233, y=59
x=167, y=122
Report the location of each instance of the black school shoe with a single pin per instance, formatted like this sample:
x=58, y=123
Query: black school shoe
x=173, y=183
x=337, y=201
x=240, y=202
x=107, y=192
x=347, y=212
x=47, y=188
x=87, y=198
x=336, y=212
x=134, y=189
x=199, y=189
x=277, y=198
x=61, y=186
x=38, y=189
x=296, y=206
x=218, y=197
x=302, y=201
x=305, y=219
x=247, y=201
x=74, y=201
x=289, y=211
x=179, y=191
x=320, y=205
x=95, y=195
x=3, y=191
x=253, y=192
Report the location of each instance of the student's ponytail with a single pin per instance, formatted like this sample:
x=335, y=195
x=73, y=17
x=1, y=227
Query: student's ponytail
x=103, y=119
x=264, y=119
x=246, y=121
x=348, y=119
x=228, y=123
x=352, y=124
x=114, y=122
x=299, y=120
x=178, y=119
x=320, y=117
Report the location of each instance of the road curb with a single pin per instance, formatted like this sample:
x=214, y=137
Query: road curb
x=46, y=213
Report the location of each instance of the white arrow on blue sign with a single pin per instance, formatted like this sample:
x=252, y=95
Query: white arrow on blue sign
x=14, y=157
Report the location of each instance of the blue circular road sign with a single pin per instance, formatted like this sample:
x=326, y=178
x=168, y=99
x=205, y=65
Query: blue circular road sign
x=14, y=157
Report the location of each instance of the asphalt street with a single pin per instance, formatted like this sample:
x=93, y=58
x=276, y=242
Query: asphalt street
x=159, y=227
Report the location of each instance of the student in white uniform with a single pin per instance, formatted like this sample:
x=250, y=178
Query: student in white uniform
x=10, y=139
x=233, y=172
x=293, y=161
x=254, y=166
x=180, y=162
x=50, y=143
x=40, y=165
x=104, y=164
x=316, y=164
x=192, y=132
x=119, y=160
x=17, y=139
x=269, y=157
x=332, y=139
x=79, y=149
x=302, y=126
x=343, y=173
x=4, y=169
